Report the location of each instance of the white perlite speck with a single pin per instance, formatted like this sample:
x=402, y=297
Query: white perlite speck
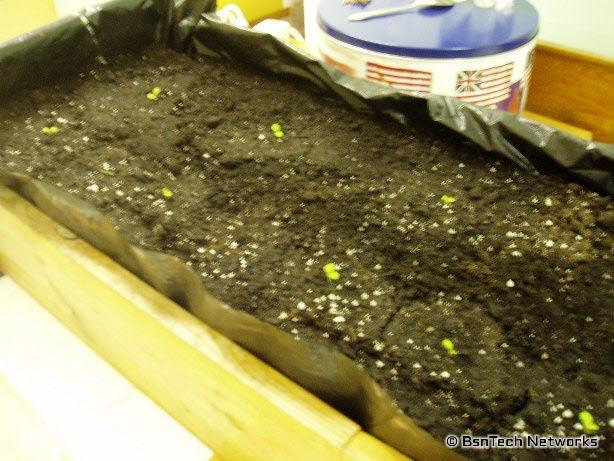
x=520, y=425
x=282, y=315
x=416, y=366
x=93, y=188
x=482, y=352
x=578, y=427
x=339, y=319
x=378, y=346
x=510, y=283
x=445, y=375
x=379, y=364
x=611, y=422
x=548, y=201
x=568, y=414
x=301, y=306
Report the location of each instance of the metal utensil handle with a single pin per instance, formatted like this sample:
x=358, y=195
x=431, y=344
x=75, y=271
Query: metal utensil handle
x=389, y=11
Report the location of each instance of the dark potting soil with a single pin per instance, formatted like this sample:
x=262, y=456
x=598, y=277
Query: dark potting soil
x=514, y=268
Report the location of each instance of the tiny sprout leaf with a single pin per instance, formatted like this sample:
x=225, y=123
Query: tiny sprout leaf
x=51, y=130
x=588, y=422
x=154, y=93
x=167, y=193
x=330, y=267
x=448, y=199
x=279, y=134
x=448, y=345
x=275, y=127
x=331, y=272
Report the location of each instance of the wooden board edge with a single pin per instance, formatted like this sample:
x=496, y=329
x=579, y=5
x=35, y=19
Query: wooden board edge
x=574, y=54
x=574, y=88
x=574, y=130
x=237, y=405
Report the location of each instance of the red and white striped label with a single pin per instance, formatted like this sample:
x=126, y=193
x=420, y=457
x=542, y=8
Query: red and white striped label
x=401, y=78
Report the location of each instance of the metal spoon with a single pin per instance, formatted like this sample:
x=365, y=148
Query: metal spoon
x=418, y=4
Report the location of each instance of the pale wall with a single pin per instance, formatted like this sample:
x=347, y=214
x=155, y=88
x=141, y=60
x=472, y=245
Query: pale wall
x=587, y=25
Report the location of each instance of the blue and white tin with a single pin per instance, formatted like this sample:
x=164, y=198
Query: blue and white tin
x=479, y=55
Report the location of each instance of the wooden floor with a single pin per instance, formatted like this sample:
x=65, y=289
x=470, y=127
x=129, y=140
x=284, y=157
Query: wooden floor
x=61, y=401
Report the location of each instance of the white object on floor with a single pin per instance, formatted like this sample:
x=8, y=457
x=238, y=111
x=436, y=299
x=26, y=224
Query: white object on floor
x=233, y=15
x=282, y=30
x=93, y=412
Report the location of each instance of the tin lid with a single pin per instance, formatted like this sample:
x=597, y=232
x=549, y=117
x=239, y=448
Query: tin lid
x=461, y=31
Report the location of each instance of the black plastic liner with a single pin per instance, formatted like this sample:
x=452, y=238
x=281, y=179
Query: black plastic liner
x=98, y=33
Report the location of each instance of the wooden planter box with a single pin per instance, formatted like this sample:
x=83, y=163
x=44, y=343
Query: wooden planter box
x=574, y=88
x=236, y=404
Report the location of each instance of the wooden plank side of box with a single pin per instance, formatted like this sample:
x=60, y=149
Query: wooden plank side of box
x=574, y=88
x=239, y=406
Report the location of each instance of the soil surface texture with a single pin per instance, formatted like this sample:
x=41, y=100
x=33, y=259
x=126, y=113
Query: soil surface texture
x=428, y=238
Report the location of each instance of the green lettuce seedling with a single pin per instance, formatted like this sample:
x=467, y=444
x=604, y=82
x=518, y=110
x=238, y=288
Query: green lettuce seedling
x=277, y=131
x=588, y=422
x=167, y=193
x=448, y=345
x=51, y=130
x=448, y=199
x=331, y=272
x=154, y=93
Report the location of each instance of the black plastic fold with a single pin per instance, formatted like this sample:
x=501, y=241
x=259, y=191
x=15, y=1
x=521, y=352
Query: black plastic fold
x=529, y=144
x=96, y=34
